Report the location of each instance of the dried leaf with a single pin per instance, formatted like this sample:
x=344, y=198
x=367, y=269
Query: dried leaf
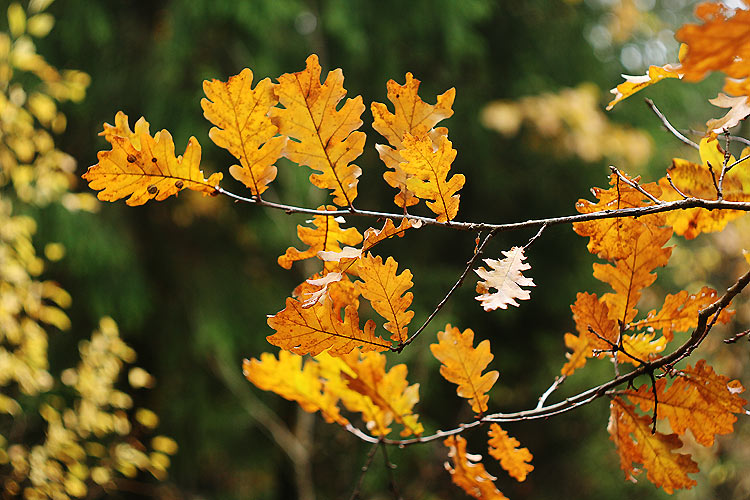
x=146, y=168
x=243, y=128
x=462, y=364
x=506, y=449
x=636, y=445
x=427, y=168
x=468, y=473
x=506, y=278
x=739, y=110
x=633, y=84
x=326, y=139
x=590, y=314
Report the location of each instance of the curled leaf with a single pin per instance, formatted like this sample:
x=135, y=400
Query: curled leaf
x=506, y=277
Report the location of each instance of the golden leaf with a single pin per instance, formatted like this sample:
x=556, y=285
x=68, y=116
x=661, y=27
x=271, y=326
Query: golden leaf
x=506, y=278
x=326, y=137
x=146, y=169
x=427, y=169
x=590, y=315
x=633, y=84
x=243, y=128
x=468, y=473
x=506, y=449
x=462, y=364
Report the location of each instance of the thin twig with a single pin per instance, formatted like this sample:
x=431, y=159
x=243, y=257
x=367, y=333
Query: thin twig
x=365, y=468
x=552, y=388
x=535, y=237
x=635, y=185
x=671, y=183
x=669, y=126
x=719, y=195
x=389, y=467
x=744, y=158
x=737, y=337
x=614, y=347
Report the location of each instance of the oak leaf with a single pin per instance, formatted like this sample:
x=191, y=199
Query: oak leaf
x=382, y=396
x=325, y=138
x=144, y=167
x=326, y=236
x=643, y=346
x=596, y=331
x=288, y=378
x=506, y=449
x=315, y=329
x=636, y=444
x=462, y=364
x=242, y=127
x=633, y=84
x=506, y=277
x=468, y=473
x=411, y=115
x=698, y=399
x=739, y=109
x=372, y=237
x=387, y=292
x=427, y=168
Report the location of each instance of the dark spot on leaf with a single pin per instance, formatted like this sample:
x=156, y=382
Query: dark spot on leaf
x=179, y=184
x=153, y=189
x=131, y=159
x=153, y=160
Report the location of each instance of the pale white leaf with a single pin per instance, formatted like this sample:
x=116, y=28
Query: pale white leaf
x=506, y=277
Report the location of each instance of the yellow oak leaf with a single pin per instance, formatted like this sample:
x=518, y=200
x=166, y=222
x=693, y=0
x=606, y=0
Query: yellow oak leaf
x=462, y=364
x=468, y=473
x=506, y=449
x=326, y=236
x=382, y=396
x=325, y=138
x=590, y=314
x=427, y=168
x=242, y=127
x=372, y=237
x=680, y=312
x=614, y=238
x=636, y=446
x=315, y=329
x=287, y=377
x=387, y=292
x=121, y=128
x=633, y=84
x=411, y=115
x=643, y=346
x=698, y=399
x=505, y=276
x=147, y=169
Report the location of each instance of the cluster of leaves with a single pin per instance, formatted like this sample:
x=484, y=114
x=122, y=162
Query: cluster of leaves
x=54, y=446
x=628, y=226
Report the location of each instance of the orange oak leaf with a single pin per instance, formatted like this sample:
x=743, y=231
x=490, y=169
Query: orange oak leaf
x=613, y=239
x=242, y=127
x=636, y=445
x=289, y=379
x=680, y=312
x=427, y=168
x=739, y=109
x=462, y=364
x=382, y=396
x=643, y=346
x=468, y=473
x=326, y=236
x=633, y=84
x=506, y=277
x=147, y=168
x=326, y=138
x=590, y=314
x=698, y=399
x=698, y=181
x=387, y=292
x=411, y=115
x=506, y=449
x=318, y=328
x=372, y=237
x=721, y=43
x=631, y=274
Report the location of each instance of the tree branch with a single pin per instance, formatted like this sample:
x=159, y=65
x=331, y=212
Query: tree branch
x=669, y=126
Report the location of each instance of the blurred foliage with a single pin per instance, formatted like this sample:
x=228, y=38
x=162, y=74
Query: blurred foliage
x=190, y=282
x=55, y=442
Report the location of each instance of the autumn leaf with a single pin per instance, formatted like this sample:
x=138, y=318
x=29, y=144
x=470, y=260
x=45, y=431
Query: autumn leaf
x=700, y=181
x=427, y=168
x=326, y=236
x=287, y=377
x=382, y=396
x=643, y=346
x=387, y=292
x=146, y=168
x=315, y=329
x=636, y=446
x=698, y=399
x=506, y=449
x=680, y=312
x=739, y=109
x=462, y=364
x=633, y=84
x=325, y=138
x=411, y=115
x=468, y=473
x=614, y=238
x=372, y=237
x=594, y=325
x=242, y=127
x=506, y=277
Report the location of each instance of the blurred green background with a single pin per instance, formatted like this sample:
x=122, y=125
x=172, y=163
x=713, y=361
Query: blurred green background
x=191, y=280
